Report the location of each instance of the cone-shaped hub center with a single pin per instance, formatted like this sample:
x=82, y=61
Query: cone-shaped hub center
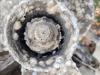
x=42, y=35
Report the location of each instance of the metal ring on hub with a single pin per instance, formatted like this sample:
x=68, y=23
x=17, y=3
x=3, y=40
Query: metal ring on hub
x=41, y=53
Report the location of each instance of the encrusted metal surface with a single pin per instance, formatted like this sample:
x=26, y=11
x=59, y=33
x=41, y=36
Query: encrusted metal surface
x=61, y=49
x=43, y=35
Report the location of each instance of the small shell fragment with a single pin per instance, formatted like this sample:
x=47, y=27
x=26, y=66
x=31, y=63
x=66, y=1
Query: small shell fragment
x=33, y=61
x=49, y=61
x=15, y=36
x=17, y=25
